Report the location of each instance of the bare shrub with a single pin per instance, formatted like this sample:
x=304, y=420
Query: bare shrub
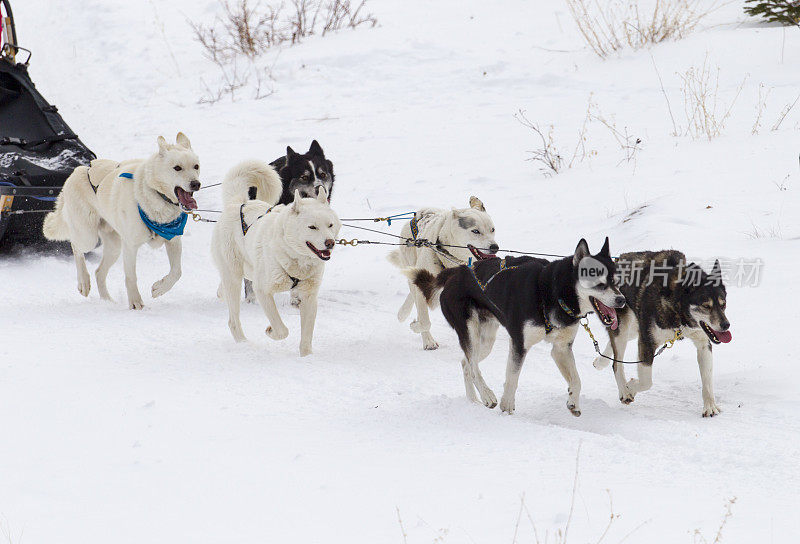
x=698, y=536
x=615, y=25
x=546, y=153
x=628, y=143
x=551, y=160
x=705, y=114
x=251, y=29
x=244, y=29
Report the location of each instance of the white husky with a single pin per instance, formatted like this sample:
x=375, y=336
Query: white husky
x=470, y=228
x=126, y=205
x=277, y=247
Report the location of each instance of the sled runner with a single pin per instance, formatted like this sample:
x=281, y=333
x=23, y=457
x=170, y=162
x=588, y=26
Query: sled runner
x=38, y=151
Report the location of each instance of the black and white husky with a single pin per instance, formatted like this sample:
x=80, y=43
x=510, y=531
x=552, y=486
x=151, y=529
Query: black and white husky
x=665, y=295
x=460, y=234
x=305, y=172
x=302, y=173
x=534, y=300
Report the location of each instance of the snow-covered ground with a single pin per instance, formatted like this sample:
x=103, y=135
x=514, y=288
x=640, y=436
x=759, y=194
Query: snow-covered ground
x=154, y=426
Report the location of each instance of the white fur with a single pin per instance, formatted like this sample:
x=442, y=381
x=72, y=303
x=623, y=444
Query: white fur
x=443, y=226
x=273, y=250
x=82, y=216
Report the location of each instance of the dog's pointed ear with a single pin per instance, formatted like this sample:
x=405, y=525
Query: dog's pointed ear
x=581, y=251
x=316, y=149
x=162, y=145
x=183, y=141
x=322, y=195
x=715, y=276
x=296, y=201
x=290, y=154
x=605, y=251
x=475, y=202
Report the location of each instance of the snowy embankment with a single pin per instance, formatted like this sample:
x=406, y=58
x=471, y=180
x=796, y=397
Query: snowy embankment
x=153, y=426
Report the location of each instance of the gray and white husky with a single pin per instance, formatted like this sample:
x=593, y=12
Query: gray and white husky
x=470, y=228
x=278, y=247
x=112, y=201
x=665, y=295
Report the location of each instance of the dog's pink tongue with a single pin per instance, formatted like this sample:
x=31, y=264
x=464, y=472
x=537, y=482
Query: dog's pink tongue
x=609, y=312
x=185, y=198
x=723, y=337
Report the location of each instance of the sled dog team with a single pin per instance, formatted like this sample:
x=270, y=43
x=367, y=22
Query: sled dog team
x=277, y=230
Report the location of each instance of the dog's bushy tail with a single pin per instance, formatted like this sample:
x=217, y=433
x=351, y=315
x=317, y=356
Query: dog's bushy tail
x=55, y=228
x=430, y=285
x=253, y=173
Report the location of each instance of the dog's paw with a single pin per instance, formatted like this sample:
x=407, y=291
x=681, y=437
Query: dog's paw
x=507, y=405
x=295, y=301
x=305, y=349
x=84, y=286
x=428, y=342
x=626, y=396
x=710, y=409
x=600, y=363
x=277, y=333
x=574, y=409
x=488, y=398
x=135, y=304
x=161, y=287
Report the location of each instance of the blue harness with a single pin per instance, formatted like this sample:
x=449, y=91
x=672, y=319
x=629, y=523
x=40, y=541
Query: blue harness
x=168, y=231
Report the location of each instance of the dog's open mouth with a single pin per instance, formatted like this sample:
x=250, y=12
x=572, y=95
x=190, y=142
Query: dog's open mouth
x=480, y=255
x=606, y=314
x=186, y=199
x=717, y=337
x=325, y=254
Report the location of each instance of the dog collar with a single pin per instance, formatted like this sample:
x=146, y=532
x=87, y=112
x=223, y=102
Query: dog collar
x=129, y=175
x=568, y=310
x=168, y=231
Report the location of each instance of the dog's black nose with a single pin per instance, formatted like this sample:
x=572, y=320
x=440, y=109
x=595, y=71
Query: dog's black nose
x=194, y=185
x=494, y=248
x=619, y=301
x=329, y=243
x=725, y=325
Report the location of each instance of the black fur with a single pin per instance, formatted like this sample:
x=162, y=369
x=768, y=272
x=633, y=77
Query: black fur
x=295, y=172
x=525, y=291
x=664, y=291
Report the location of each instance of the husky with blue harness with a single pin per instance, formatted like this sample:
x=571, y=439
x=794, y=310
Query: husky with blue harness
x=124, y=206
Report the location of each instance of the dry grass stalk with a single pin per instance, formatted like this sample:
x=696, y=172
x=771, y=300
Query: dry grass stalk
x=613, y=26
x=705, y=115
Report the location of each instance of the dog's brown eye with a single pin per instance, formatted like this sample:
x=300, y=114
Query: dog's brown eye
x=322, y=175
x=306, y=176
x=197, y=167
x=312, y=227
x=177, y=168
